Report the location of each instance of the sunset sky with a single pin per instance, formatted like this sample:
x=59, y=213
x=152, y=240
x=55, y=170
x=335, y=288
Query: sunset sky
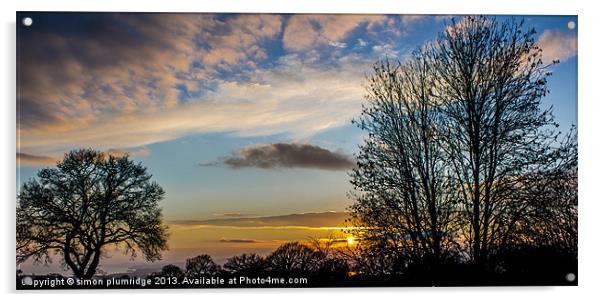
x=236, y=116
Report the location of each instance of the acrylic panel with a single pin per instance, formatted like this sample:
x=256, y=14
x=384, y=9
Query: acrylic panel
x=196, y=150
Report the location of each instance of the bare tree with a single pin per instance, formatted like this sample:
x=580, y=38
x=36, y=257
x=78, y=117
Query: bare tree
x=489, y=81
x=374, y=258
x=401, y=183
x=90, y=201
x=460, y=158
x=549, y=196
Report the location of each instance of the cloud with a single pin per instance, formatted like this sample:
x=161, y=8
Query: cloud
x=292, y=98
x=238, y=241
x=121, y=64
x=323, y=219
x=239, y=43
x=111, y=63
x=557, y=45
x=132, y=152
x=337, y=44
x=230, y=215
x=408, y=20
x=303, y=32
x=24, y=159
x=283, y=155
x=387, y=50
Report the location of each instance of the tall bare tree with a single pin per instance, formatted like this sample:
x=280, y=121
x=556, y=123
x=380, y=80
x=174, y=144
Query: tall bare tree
x=489, y=81
x=401, y=182
x=90, y=201
x=459, y=146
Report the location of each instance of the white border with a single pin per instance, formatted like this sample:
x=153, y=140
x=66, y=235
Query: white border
x=590, y=137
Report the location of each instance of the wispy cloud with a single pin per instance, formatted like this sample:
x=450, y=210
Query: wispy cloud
x=230, y=215
x=558, y=45
x=123, y=81
x=132, y=152
x=408, y=20
x=285, y=155
x=303, y=32
x=293, y=98
x=313, y=220
x=25, y=159
x=117, y=66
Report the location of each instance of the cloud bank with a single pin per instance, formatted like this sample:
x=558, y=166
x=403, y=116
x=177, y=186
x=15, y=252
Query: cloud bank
x=322, y=219
x=124, y=81
x=287, y=156
x=127, y=80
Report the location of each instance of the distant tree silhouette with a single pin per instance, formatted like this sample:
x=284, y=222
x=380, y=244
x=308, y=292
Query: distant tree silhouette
x=293, y=258
x=201, y=265
x=171, y=270
x=375, y=258
x=331, y=262
x=90, y=201
x=246, y=264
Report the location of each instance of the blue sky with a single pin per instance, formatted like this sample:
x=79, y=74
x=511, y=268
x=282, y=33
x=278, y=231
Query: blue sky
x=180, y=92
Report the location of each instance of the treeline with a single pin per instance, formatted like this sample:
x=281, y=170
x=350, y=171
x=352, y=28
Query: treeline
x=318, y=261
x=326, y=262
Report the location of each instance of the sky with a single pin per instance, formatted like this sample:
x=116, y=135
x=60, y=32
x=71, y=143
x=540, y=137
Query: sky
x=235, y=115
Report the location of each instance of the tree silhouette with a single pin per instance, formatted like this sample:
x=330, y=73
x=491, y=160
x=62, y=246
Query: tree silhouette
x=374, y=258
x=293, y=258
x=201, y=265
x=246, y=264
x=171, y=270
x=549, y=215
x=489, y=80
x=460, y=158
x=402, y=180
x=90, y=201
x=332, y=262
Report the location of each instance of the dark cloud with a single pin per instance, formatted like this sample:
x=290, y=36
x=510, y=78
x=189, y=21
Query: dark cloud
x=238, y=241
x=230, y=215
x=284, y=155
x=34, y=160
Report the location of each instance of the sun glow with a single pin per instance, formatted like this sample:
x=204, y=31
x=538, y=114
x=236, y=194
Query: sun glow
x=350, y=240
